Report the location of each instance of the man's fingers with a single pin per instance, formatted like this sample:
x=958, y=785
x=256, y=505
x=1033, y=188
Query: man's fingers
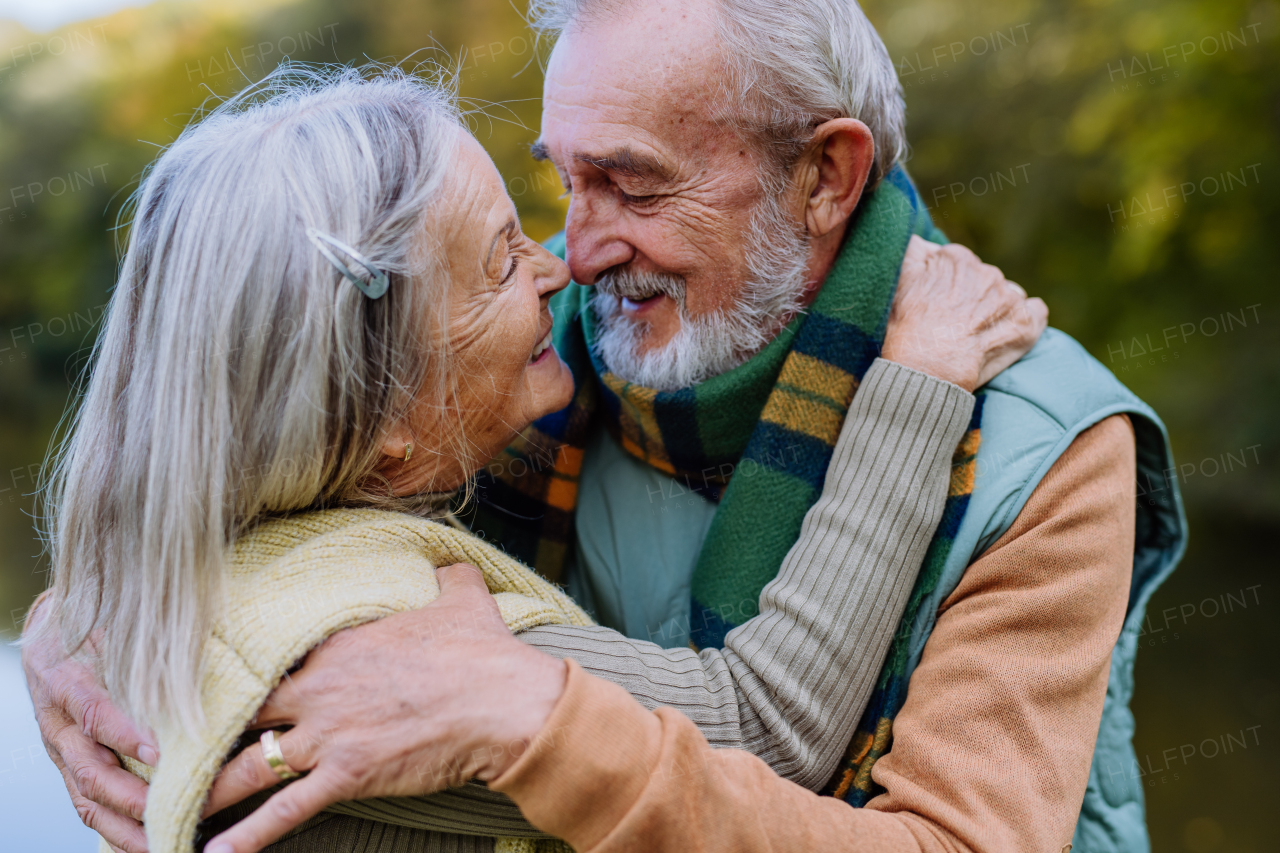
x=109, y=785
x=463, y=592
x=244, y=775
x=92, y=771
x=80, y=696
x=291, y=807
x=120, y=831
x=281, y=706
x=248, y=773
x=460, y=577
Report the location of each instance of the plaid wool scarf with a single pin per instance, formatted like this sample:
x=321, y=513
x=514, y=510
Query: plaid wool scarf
x=756, y=440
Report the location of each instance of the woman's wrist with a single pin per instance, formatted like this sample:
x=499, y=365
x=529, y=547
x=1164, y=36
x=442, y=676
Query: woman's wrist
x=948, y=364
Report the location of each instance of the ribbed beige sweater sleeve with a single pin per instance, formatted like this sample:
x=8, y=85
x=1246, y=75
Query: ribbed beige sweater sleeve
x=790, y=684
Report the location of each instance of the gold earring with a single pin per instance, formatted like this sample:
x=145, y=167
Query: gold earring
x=408, y=451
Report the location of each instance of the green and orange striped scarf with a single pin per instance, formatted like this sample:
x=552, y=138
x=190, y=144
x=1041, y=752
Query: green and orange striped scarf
x=757, y=440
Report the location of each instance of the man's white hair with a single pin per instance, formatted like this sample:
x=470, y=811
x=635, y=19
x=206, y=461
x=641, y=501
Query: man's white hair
x=239, y=374
x=791, y=66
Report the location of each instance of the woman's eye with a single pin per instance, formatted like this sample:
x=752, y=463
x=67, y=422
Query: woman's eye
x=511, y=269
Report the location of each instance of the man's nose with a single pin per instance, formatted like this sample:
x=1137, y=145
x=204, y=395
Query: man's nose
x=594, y=241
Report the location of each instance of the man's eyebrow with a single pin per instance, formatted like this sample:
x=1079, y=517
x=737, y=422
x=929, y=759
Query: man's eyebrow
x=538, y=150
x=630, y=163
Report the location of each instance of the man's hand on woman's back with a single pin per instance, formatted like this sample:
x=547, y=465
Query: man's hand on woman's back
x=78, y=723
x=357, y=708
x=406, y=705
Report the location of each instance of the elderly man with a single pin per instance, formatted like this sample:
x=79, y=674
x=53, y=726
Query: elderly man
x=733, y=163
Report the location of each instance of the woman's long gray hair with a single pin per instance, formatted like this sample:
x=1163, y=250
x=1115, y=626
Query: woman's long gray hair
x=239, y=373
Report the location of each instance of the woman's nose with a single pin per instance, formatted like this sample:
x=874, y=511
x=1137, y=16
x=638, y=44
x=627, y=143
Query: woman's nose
x=554, y=277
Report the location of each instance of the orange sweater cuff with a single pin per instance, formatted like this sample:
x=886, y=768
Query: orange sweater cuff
x=597, y=739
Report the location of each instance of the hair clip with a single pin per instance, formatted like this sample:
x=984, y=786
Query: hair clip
x=374, y=288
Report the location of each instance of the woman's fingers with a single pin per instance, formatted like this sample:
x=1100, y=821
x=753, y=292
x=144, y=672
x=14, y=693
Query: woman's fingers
x=919, y=253
x=248, y=773
x=291, y=807
x=1014, y=337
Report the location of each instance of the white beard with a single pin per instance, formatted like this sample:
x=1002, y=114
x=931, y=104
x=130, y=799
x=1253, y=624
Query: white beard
x=707, y=346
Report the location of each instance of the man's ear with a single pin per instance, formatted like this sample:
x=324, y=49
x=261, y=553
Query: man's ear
x=834, y=171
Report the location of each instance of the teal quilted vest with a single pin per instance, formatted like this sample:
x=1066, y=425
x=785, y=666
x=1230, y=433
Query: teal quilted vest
x=1031, y=414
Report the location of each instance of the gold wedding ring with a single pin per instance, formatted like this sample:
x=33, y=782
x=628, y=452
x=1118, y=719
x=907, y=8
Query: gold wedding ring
x=275, y=758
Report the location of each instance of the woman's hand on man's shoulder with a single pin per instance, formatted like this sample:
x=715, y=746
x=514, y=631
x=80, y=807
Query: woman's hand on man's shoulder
x=958, y=319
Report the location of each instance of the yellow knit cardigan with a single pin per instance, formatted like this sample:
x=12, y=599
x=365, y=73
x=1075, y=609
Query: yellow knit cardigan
x=293, y=582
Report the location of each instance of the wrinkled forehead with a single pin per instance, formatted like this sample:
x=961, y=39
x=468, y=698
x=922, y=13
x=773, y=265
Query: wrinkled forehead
x=646, y=75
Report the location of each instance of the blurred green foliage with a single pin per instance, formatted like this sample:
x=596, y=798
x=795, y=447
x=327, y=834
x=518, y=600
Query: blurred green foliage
x=1119, y=158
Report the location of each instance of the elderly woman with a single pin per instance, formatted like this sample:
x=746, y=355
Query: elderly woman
x=327, y=320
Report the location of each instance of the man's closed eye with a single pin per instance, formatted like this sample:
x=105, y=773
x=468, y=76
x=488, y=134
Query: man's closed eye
x=637, y=200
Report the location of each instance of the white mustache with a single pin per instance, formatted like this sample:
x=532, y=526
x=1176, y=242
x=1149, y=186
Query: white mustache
x=636, y=286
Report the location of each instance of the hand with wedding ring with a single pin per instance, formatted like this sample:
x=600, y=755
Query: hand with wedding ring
x=406, y=705
x=272, y=754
